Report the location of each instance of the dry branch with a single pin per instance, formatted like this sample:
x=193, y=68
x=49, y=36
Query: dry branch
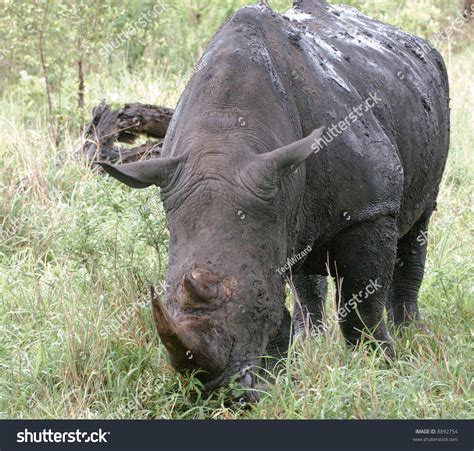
x=109, y=127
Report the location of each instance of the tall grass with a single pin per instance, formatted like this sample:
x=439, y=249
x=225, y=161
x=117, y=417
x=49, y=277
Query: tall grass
x=78, y=251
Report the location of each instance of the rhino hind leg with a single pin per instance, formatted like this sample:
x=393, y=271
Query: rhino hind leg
x=362, y=262
x=402, y=305
x=309, y=309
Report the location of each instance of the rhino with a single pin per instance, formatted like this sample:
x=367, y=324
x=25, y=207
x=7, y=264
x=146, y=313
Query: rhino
x=321, y=134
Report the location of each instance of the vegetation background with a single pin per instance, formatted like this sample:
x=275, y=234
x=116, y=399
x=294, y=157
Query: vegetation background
x=78, y=251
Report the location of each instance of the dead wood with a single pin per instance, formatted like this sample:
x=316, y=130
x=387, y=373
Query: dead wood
x=126, y=125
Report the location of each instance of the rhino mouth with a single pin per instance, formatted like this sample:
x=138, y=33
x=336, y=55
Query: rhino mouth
x=188, y=350
x=244, y=379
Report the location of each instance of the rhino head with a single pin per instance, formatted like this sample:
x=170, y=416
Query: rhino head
x=227, y=219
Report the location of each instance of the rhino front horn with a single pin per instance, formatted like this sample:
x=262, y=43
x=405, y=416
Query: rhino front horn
x=178, y=341
x=188, y=345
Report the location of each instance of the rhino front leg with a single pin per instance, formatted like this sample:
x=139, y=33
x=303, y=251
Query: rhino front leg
x=363, y=259
x=402, y=307
x=277, y=347
x=309, y=307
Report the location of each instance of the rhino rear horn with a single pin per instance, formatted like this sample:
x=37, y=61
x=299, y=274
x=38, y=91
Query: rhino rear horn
x=200, y=286
x=142, y=174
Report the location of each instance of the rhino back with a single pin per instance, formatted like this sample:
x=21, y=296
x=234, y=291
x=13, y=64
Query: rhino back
x=290, y=74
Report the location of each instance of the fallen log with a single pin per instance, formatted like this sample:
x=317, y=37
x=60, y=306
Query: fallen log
x=109, y=127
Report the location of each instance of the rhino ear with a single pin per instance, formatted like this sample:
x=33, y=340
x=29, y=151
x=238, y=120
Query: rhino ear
x=286, y=159
x=142, y=174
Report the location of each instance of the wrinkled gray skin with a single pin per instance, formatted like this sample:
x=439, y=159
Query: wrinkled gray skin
x=243, y=190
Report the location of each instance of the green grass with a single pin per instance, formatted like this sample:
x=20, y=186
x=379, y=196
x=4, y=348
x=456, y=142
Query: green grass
x=78, y=252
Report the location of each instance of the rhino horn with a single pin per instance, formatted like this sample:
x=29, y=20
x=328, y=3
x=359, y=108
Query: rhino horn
x=178, y=340
x=188, y=349
x=200, y=286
